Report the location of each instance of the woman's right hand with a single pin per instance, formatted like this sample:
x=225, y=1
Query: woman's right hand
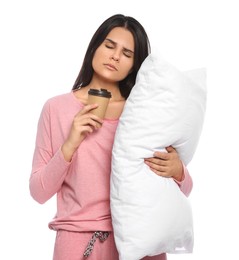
x=84, y=123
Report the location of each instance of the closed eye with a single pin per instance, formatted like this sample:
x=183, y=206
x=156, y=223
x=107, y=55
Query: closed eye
x=128, y=53
x=109, y=46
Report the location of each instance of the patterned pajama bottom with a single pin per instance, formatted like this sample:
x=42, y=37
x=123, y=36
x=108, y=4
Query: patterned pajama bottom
x=88, y=246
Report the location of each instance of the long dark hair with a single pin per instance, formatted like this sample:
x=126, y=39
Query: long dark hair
x=142, y=49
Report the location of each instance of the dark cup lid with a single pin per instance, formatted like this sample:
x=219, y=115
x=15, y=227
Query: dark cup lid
x=100, y=92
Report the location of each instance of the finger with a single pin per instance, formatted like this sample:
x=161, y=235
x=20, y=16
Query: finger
x=170, y=149
x=157, y=172
x=87, y=129
x=86, y=116
x=160, y=173
x=161, y=155
x=97, y=119
x=91, y=122
x=156, y=161
x=87, y=109
x=156, y=166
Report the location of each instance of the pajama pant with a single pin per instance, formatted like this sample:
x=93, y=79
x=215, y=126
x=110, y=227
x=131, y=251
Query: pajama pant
x=71, y=246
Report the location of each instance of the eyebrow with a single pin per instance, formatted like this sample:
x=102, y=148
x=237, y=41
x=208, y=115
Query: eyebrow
x=115, y=43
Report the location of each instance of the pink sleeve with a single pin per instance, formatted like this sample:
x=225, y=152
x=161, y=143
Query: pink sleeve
x=48, y=169
x=186, y=184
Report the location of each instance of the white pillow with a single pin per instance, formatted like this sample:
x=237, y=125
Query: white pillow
x=166, y=107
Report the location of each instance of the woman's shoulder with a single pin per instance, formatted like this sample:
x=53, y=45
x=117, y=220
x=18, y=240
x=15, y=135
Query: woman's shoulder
x=61, y=102
x=59, y=98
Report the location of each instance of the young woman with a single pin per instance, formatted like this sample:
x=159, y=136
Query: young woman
x=72, y=156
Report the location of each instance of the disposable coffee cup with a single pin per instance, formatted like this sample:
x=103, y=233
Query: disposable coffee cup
x=100, y=97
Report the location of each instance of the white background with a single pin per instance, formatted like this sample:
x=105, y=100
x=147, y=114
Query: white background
x=41, y=50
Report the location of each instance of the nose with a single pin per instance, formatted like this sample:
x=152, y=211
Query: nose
x=115, y=56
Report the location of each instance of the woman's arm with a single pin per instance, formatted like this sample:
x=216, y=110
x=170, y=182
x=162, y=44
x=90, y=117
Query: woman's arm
x=48, y=169
x=169, y=165
x=186, y=184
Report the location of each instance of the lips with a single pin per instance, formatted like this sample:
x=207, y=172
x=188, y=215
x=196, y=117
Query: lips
x=110, y=66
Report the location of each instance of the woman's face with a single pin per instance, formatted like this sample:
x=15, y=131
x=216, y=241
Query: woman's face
x=114, y=58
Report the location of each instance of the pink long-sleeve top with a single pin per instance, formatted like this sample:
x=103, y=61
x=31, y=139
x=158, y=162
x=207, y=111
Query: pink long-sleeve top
x=82, y=185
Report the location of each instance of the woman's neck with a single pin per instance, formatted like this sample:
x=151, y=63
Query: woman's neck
x=112, y=87
x=82, y=93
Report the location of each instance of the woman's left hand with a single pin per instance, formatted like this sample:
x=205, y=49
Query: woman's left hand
x=166, y=164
